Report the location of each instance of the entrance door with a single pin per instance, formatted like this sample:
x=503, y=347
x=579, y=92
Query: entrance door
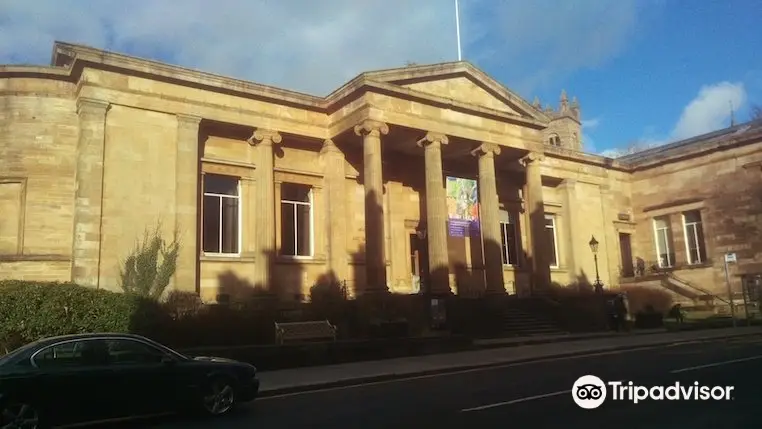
x=625, y=249
x=419, y=261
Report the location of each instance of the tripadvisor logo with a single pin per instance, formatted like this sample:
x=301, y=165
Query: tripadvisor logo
x=589, y=392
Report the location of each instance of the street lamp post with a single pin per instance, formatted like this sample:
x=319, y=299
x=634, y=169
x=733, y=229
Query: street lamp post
x=594, y=248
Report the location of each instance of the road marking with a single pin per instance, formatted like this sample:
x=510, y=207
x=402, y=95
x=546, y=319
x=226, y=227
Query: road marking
x=515, y=401
x=457, y=372
x=710, y=365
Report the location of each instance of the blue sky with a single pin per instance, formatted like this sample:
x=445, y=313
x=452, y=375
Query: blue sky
x=643, y=70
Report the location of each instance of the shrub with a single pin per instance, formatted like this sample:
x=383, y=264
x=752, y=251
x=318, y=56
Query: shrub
x=146, y=272
x=33, y=310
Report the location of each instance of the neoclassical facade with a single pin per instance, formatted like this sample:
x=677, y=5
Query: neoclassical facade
x=276, y=190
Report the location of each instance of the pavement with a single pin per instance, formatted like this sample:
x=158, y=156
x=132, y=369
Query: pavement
x=517, y=386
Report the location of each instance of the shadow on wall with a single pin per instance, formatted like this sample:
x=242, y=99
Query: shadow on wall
x=233, y=288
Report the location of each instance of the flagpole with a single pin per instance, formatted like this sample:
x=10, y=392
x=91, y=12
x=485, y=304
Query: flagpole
x=457, y=29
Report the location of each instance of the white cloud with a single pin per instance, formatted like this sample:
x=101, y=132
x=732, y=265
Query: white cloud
x=315, y=46
x=710, y=110
x=590, y=124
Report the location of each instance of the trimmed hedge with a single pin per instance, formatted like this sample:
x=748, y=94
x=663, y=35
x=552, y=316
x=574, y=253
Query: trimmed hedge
x=34, y=310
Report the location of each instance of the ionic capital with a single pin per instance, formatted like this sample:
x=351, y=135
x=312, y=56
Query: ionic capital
x=371, y=127
x=531, y=158
x=433, y=139
x=486, y=149
x=264, y=137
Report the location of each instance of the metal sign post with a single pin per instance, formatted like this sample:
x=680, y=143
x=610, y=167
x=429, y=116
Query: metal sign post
x=730, y=257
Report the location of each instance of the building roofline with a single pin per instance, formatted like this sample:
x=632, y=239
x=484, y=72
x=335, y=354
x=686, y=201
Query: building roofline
x=747, y=132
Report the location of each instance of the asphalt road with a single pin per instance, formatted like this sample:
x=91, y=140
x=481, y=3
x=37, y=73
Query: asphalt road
x=536, y=394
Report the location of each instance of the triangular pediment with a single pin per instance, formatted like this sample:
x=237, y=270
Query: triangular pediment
x=462, y=82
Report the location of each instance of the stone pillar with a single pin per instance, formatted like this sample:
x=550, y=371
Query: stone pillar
x=375, y=260
x=537, y=249
x=568, y=190
x=186, y=201
x=264, y=218
x=436, y=214
x=335, y=208
x=489, y=214
x=86, y=245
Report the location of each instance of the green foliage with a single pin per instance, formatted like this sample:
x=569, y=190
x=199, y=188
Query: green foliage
x=146, y=272
x=33, y=310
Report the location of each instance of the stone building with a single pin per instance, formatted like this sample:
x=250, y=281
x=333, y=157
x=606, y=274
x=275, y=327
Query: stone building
x=371, y=186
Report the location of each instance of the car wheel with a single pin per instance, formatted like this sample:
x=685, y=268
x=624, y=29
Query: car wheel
x=21, y=415
x=219, y=397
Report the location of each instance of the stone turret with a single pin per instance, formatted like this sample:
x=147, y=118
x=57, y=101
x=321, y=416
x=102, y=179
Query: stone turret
x=565, y=127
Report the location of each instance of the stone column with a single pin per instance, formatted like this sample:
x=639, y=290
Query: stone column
x=537, y=249
x=264, y=218
x=489, y=213
x=86, y=245
x=186, y=201
x=375, y=260
x=436, y=214
x=335, y=208
x=568, y=189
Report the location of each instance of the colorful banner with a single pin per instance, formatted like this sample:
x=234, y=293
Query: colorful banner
x=462, y=206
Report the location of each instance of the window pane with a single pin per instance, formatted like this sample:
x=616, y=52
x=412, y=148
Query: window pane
x=217, y=184
x=303, y=230
x=505, y=216
x=552, y=246
x=79, y=353
x=295, y=192
x=229, y=225
x=288, y=229
x=661, y=222
x=504, y=241
x=132, y=352
x=661, y=237
x=692, y=216
x=549, y=221
x=701, y=242
x=513, y=257
x=211, y=224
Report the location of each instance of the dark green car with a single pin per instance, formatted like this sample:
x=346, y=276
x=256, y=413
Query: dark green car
x=99, y=377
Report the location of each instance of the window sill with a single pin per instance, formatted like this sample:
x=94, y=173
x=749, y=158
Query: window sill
x=301, y=260
x=226, y=258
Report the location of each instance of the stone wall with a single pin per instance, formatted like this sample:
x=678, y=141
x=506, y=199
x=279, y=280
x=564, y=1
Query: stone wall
x=38, y=143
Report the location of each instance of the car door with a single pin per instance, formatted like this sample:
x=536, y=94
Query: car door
x=146, y=376
x=77, y=380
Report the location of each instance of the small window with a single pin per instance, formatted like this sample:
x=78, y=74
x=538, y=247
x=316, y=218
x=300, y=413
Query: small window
x=694, y=237
x=550, y=228
x=296, y=219
x=663, y=241
x=221, y=214
x=554, y=140
x=125, y=352
x=509, y=238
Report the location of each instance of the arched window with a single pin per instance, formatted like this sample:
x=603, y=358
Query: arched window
x=554, y=140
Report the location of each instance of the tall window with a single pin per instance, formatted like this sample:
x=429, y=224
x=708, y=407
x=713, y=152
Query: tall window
x=663, y=239
x=221, y=217
x=550, y=228
x=509, y=238
x=554, y=140
x=694, y=237
x=296, y=219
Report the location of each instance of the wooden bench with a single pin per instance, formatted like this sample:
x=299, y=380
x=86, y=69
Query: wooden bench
x=304, y=331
